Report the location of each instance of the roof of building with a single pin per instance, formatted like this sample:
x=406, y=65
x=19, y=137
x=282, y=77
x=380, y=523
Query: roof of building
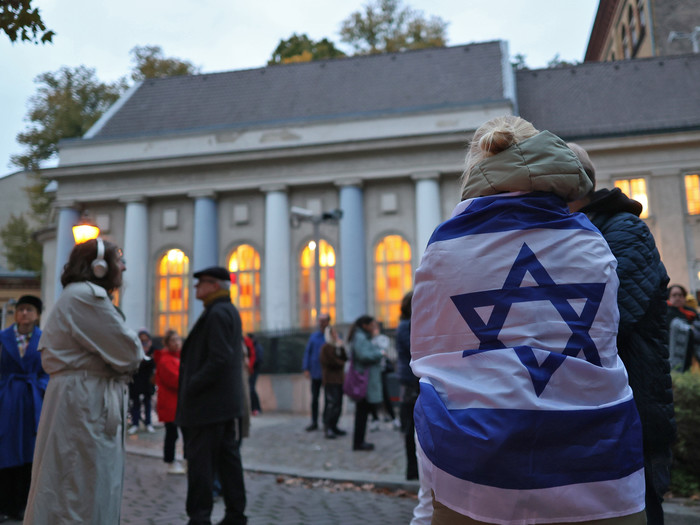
x=338, y=89
x=603, y=99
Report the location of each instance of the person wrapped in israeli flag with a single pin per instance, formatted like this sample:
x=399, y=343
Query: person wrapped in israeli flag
x=525, y=414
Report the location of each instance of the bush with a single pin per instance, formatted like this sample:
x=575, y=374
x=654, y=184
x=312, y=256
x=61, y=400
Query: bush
x=685, y=474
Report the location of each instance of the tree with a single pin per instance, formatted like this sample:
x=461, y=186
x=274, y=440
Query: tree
x=556, y=61
x=19, y=20
x=150, y=62
x=387, y=26
x=519, y=62
x=22, y=251
x=300, y=48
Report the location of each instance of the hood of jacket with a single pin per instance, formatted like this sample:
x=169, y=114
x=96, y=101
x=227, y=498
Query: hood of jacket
x=541, y=163
x=612, y=201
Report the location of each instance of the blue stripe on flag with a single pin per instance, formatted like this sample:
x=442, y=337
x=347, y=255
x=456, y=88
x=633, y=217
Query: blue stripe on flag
x=529, y=449
x=521, y=212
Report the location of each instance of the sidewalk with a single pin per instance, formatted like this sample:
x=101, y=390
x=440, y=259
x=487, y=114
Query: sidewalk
x=278, y=444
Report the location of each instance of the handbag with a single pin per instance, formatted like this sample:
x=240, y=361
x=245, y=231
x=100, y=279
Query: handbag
x=355, y=384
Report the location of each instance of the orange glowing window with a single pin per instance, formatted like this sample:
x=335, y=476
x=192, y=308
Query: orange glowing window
x=393, y=277
x=692, y=193
x=244, y=265
x=635, y=189
x=307, y=282
x=172, y=292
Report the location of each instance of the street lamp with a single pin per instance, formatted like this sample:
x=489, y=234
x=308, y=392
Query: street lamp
x=85, y=230
x=299, y=215
x=692, y=36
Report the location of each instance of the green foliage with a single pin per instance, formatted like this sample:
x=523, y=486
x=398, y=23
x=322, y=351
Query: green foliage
x=556, y=61
x=23, y=252
x=386, y=26
x=19, y=20
x=300, y=48
x=519, y=62
x=67, y=103
x=150, y=62
x=685, y=474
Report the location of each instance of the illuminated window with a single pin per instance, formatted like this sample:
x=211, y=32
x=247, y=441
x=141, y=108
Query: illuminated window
x=172, y=292
x=307, y=286
x=692, y=193
x=244, y=265
x=635, y=189
x=393, y=277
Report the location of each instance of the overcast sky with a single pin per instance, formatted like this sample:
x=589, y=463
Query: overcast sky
x=224, y=35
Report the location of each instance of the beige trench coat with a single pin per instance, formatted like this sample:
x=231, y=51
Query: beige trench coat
x=89, y=354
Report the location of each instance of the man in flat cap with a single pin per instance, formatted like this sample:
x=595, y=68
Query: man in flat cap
x=211, y=402
x=22, y=386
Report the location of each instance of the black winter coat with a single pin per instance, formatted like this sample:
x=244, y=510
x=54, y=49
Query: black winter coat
x=642, y=339
x=211, y=375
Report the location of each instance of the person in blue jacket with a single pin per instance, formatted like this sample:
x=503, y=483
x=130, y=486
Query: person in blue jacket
x=642, y=338
x=312, y=366
x=22, y=386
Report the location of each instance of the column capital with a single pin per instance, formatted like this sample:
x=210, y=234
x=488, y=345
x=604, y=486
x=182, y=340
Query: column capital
x=133, y=199
x=267, y=188
x=425, y=175
x=65, y=204
x=349, y=182
x=202, y=194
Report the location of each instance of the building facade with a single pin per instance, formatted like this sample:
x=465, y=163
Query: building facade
x=187, y=172
x=625, y=29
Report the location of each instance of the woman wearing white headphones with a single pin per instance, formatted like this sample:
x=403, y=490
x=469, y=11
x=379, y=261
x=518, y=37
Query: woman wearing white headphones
x=90, y=355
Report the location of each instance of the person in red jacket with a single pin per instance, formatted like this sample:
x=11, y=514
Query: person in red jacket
x=167, y=379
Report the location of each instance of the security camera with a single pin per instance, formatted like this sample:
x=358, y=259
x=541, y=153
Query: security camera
x=301, y=212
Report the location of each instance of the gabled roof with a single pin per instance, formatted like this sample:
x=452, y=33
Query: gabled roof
x=339, y=89
x=600, y=99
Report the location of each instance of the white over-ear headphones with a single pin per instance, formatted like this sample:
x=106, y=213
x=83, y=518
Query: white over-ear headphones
x=99, y=265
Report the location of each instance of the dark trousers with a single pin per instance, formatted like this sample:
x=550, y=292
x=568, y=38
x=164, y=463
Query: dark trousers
x=388, y=406
x=332, y=405
x=362, y=409
x=136, y=408
x=254, y=399
x=214, y=448
x=14, y=488
x=169, y=442
x=408, y=403
x=657, y=477
x=315, y=393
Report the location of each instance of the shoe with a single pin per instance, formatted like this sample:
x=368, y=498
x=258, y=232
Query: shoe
x=311, y=427
x=397, y=424
x=374, y=426
x=150, y=429
x=133, y=429
x=363, y=446
x=4, y=518
x=176, y=468
x=330, y=434
x=339, y=432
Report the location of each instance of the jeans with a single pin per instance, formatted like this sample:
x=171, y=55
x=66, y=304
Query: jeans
x=332, y=406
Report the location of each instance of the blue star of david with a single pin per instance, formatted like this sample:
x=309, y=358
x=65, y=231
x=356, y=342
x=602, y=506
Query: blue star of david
x=547, y=290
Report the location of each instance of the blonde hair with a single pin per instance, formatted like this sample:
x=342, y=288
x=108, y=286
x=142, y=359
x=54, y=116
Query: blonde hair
x=493, y=137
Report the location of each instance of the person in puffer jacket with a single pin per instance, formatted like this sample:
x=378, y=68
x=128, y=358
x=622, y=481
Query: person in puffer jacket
x=642, y=340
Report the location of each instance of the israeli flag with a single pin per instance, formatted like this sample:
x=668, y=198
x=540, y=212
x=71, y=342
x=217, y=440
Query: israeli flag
x=525, y=414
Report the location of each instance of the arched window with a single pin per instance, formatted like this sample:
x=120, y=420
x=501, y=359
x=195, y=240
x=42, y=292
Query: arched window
x=307, y=282
x=172, y=292
x=244, y=265
x=393, y=278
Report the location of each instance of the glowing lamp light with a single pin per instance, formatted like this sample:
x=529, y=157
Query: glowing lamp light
x=85, y=231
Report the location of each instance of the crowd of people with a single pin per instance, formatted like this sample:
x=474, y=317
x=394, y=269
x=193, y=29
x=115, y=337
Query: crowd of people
x=534, y=357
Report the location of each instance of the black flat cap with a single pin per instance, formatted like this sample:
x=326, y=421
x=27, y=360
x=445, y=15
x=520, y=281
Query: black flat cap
x=217, y=272
x=31, y=300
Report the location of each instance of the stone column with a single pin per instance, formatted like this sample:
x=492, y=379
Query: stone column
x=277, y=311
x=353, y=252
x=68, y=217
x=135, y=296
x=205, y=244
x=427, y=209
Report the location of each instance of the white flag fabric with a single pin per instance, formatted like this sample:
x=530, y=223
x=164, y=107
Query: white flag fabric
x=525, y=414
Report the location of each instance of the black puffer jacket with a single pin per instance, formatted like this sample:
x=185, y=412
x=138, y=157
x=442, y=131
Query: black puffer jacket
x=642, y=339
